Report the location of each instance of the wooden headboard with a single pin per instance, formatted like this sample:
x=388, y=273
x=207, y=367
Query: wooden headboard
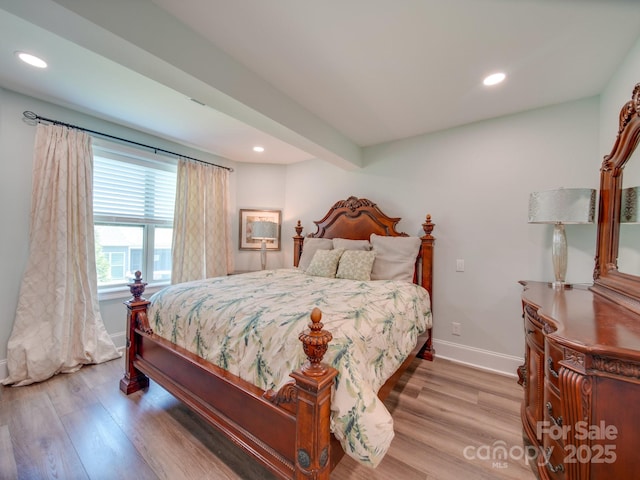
x=356, y=219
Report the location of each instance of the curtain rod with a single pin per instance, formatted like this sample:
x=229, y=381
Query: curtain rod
x=32, y=117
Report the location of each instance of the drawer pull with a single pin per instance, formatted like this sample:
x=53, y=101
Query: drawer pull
x=529, y=331
x=556, y=421
x=551, y=370
x=552, y=468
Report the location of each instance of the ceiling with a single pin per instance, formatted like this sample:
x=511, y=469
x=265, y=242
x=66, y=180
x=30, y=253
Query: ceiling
x=310, y=79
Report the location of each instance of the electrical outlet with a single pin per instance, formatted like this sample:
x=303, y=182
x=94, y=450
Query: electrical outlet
x=456, y=328
x=459, y=265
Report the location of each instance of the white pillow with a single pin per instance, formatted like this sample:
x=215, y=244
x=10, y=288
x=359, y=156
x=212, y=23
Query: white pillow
x=324, y=263
x=351, y=244
x=356, y=264
x=309, y=248
x=395, y=257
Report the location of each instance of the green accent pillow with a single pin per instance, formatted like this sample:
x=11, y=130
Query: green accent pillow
x=356, y=265
x=324, y=263
x=309, y=247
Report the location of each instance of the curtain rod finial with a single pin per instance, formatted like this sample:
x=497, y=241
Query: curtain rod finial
x=30, y=117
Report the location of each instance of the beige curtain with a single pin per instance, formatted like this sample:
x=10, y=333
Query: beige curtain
x=58, y=327
x=201, y=230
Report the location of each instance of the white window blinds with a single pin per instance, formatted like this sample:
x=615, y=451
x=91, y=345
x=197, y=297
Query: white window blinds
x=133, y=190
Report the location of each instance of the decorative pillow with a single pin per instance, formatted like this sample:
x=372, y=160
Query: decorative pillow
x=351, y=244
x=309, y=248
x=356, y=265
x=395, y=257
x=324, y=263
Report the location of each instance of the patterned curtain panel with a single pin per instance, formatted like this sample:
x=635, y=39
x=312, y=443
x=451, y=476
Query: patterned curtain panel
x=58, y=327
x=201, y=230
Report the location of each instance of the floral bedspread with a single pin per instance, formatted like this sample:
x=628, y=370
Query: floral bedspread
x=249, y=324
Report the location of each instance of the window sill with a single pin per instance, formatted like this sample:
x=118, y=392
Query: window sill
x=123, y=293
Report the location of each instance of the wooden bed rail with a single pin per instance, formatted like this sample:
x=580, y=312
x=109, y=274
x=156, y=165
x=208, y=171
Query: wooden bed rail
x=296, y=442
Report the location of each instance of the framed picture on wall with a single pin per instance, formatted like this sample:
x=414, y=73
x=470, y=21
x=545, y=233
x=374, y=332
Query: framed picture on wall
x=259, y=225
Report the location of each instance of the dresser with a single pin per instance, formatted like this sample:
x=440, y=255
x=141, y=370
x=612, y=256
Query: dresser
x=581, y=379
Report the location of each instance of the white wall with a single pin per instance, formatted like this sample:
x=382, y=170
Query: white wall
x=261, y=187
x=15, y=204
x=475, y=182
x=615, y=95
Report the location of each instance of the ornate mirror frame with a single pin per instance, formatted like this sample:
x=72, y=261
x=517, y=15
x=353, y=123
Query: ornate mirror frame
x=608, y=281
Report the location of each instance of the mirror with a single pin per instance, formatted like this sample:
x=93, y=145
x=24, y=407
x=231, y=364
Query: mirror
x=621, y=285
x=629, y=244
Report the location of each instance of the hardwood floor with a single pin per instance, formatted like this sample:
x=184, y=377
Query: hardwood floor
x=448, y=418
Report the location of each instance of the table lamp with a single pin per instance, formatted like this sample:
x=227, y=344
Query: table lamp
x=263, y=231
x=560, y=207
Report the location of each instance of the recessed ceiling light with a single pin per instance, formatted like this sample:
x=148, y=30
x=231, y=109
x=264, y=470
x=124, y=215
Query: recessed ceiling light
x=494, y=79
x=31, y=60
x=258, y=149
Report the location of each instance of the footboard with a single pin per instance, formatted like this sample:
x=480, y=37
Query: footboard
x=287, y=431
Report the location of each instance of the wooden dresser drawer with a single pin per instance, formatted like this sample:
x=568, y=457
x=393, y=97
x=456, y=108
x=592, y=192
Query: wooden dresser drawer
x=553, y=452
x=552, y=356
x=553, y=412
x=533, y=331
x=552, y=459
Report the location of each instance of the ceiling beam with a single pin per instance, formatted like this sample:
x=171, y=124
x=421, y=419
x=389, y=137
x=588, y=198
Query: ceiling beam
x=144, y=38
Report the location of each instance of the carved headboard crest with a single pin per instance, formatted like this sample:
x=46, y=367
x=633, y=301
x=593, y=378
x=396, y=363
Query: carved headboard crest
x=356, y=219
x=354, y=203
x=631, y=108
x=628, y=111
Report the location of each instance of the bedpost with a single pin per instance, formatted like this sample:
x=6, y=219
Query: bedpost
x=134, y=380
x=426, y=252
x=297, y=244
x=313, y=384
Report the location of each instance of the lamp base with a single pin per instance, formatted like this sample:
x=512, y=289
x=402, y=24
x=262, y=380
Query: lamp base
x=559, y=253
x=263, y=255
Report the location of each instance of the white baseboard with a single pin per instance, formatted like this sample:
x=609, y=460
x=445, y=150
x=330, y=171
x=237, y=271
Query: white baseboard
x=477, y=357
x=119, y=339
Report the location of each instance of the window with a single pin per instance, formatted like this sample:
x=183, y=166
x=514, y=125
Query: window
x=133, y=202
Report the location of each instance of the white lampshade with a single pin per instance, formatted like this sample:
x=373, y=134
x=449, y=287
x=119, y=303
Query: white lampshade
x=264, y=230
x=565, y=205
x=629, y=205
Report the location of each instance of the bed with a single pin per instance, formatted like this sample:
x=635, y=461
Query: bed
x=280, y=407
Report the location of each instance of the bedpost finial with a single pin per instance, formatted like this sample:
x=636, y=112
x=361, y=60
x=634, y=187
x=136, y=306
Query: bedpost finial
x=315, y=342
x=298, y=228
x=316, y=316
x=137, y=287
x=428, y=225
